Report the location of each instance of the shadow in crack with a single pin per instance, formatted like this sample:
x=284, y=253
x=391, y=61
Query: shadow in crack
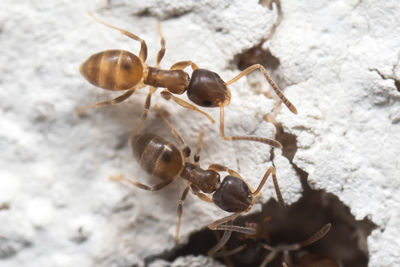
x=289, y=149
x=257, y=55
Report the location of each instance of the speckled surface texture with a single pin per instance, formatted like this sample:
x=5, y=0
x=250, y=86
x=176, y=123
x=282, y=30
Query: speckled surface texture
x=339, y=64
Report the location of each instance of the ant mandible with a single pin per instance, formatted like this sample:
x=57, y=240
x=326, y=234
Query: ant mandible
x=165, y=161
x=119, y=70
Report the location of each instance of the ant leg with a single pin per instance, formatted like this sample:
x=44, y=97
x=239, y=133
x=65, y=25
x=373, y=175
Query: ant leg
x=156, y=187
x=222, y=168
x=143, y=46
x=312, y=239
x=114, y=101
x=220, y=225
x=228, y=252
x=200, y=195
x=167, y=95
x=180, y=211
x=221, y=243
x=272, y=118
x=269, y=258
x=186, y=149
x=147, y=104
x=183, y=64
x=269, y=80
x=161, y=53
x=267, y=141
x=199, y=148
x=285, y=248
x=271, y=170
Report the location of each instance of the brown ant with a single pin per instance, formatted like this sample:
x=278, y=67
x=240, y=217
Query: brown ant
x=119, y=70
x=165, y=161
x=306, y=259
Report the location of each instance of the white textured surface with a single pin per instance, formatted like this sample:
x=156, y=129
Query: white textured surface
x=54, y=166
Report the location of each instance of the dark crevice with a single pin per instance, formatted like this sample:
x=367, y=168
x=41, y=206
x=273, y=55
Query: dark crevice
x=257, y=54
x=389, y=77
x=145, y=12
x=345, y=244
x=397, y=84
x=199, y=243
x=289, y=149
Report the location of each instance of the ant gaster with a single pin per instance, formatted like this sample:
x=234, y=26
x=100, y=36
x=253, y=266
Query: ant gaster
x=165, y=161
x=119, y=70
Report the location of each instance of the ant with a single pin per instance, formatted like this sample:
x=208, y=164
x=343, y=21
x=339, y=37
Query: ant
x=120, y=70
x=165, y=161
x=306, y=259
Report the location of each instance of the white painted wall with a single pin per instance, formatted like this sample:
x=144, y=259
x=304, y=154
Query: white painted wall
x=54, y=167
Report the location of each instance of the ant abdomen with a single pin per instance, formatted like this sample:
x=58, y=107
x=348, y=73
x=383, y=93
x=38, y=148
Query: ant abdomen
x=207, y=89
x=113, y=70
x=233, y=195
x=157, y=156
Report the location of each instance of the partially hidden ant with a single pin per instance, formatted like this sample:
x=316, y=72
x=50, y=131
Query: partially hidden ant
x=120, y=70
x=257, y=240
x=165, y=161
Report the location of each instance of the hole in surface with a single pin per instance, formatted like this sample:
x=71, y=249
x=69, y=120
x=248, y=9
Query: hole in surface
x=256, y=55
x=345, y=243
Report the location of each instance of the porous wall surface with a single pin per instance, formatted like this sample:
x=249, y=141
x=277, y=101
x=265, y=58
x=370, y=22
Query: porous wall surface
x=339, y=62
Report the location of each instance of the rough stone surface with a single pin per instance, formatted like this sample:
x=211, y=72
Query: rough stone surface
x=340, y=60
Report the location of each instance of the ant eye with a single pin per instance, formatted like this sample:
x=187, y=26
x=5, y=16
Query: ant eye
x=207, y=103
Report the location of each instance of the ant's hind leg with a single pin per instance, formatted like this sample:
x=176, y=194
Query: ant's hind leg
x=114, y=101
x=143, y=46
x=180, y=211
x=267, y=141
x=146, y=108
x=269, y=80
x=156, y=187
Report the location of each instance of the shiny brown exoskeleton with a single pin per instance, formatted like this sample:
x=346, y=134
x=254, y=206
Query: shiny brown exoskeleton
x=118, y=70
x=163, y=160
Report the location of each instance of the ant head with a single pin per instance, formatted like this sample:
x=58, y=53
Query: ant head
x=233, y=195
x=207, y=89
